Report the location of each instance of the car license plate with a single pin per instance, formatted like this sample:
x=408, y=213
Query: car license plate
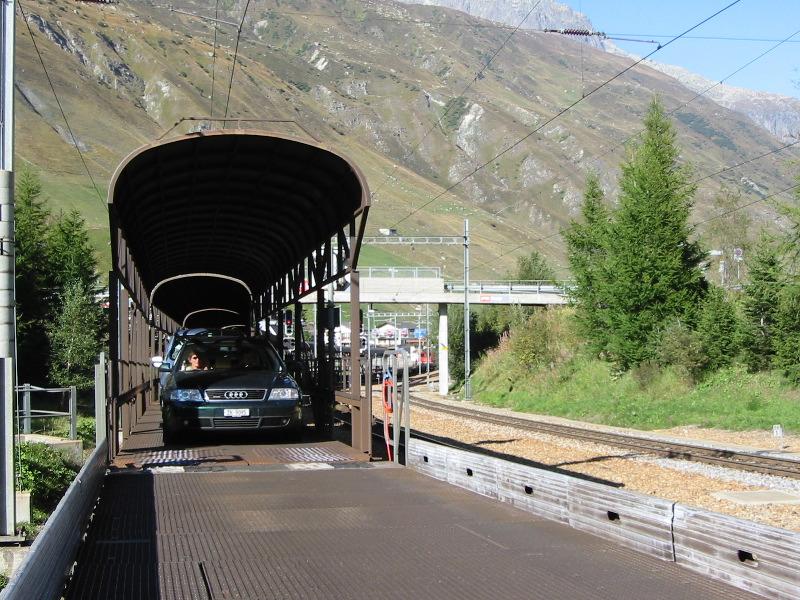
x=236, y=412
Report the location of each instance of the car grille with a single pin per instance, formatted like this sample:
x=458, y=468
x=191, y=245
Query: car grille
x=237, y=422
x=248, y=422
x=236, y=395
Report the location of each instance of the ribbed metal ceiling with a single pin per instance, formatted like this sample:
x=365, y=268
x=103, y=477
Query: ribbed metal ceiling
x=213, y=219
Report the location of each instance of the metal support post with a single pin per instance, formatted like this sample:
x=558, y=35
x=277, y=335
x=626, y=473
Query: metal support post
x=100, y=409
x=399, y=362
x=444, y=352
x=73, y=413
x=7, y=85
x=26, y=408
x=7, y=294
x=8, y=505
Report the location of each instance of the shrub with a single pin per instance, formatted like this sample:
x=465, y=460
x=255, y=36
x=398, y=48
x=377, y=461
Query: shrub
x=682, y=348
x=86, y=431
x=46, y=473
x=545, y=339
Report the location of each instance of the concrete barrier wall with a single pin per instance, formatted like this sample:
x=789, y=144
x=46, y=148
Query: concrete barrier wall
x=45, y=569
x=758, y=558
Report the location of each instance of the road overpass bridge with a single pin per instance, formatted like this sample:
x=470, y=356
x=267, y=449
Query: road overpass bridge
x=425, y=285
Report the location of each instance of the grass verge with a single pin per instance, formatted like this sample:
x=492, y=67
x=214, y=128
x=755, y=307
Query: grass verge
x=647, y=398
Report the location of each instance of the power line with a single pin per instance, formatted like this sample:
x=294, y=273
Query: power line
x=698, y=95
x=61, y=109
x=560, y=113
x=477, y=76
x=214, y=60
x=789, y=145
x=235, y=55
x=515, y=29
x=239, y=37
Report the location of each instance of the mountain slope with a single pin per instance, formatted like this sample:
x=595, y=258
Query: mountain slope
x=448, y=116
x=780, y=115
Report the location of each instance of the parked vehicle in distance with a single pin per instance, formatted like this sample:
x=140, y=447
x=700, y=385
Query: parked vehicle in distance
x=426, y=358
x=408, y=356
x=235, y=383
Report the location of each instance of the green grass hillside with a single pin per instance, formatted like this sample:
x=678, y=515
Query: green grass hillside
x=584, y=388
x=392, y=86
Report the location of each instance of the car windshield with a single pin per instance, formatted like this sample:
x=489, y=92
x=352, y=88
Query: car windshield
x=228, y=353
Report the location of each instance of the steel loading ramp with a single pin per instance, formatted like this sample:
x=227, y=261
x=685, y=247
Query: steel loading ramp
x=346, y=529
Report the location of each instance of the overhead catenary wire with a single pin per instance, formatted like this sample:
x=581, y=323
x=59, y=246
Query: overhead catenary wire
x=461, y=95
x=61, y=109
x=614, y=36
x=240, y=37
x=559, y=114
x=389, y=177
x=214, y=61
x=235, y=56
x=700, y=94
x=707, y=220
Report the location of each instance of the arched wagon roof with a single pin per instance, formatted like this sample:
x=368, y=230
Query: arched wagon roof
x=213, y=220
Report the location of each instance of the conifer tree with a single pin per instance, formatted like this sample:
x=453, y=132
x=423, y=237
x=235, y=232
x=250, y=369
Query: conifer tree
x=719, y=329
x=56, y=280
x=586, y=254
x=644, y=267
x=760, y=306
x=71, y=252
x=34, y=284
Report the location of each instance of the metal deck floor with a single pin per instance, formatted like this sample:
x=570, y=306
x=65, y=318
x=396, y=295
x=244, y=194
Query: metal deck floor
x=343, y=529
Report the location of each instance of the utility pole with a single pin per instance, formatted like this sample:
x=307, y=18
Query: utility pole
x=467, y=392
x=7, y=294
x=443, y=353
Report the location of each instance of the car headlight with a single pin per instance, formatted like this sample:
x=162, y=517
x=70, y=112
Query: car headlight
x=182, y=395
x=284, y=393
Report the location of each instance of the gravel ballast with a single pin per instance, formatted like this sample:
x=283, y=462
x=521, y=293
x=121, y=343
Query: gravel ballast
x=676, y=480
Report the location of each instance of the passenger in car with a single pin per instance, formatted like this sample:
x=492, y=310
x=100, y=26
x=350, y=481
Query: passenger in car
x=248, y=359
x=196, y=362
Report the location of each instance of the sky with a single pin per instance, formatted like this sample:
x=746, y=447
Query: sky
x=718, y=48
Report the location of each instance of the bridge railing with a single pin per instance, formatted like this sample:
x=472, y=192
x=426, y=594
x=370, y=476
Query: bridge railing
x=561, y=287
x=27, y=414
x=404, y=272
x=44, y=570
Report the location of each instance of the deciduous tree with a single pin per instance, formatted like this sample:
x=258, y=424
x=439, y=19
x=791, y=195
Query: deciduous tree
x=74, y=337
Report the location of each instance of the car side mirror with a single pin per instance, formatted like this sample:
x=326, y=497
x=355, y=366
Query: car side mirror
x=157, y=361
x=164, y=368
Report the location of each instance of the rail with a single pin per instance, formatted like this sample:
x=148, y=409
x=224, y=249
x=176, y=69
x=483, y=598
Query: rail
x=512, y=287
x=43, y=572
x=403, y=272
x=26, y=414
x=746, y=461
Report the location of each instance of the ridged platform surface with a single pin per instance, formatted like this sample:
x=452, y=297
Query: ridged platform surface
x=343, y=529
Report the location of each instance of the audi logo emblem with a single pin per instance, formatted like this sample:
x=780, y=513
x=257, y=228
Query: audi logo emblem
x=235, y=395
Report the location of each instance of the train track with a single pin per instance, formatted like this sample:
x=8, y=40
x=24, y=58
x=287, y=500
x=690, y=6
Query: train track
x=747, y=461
